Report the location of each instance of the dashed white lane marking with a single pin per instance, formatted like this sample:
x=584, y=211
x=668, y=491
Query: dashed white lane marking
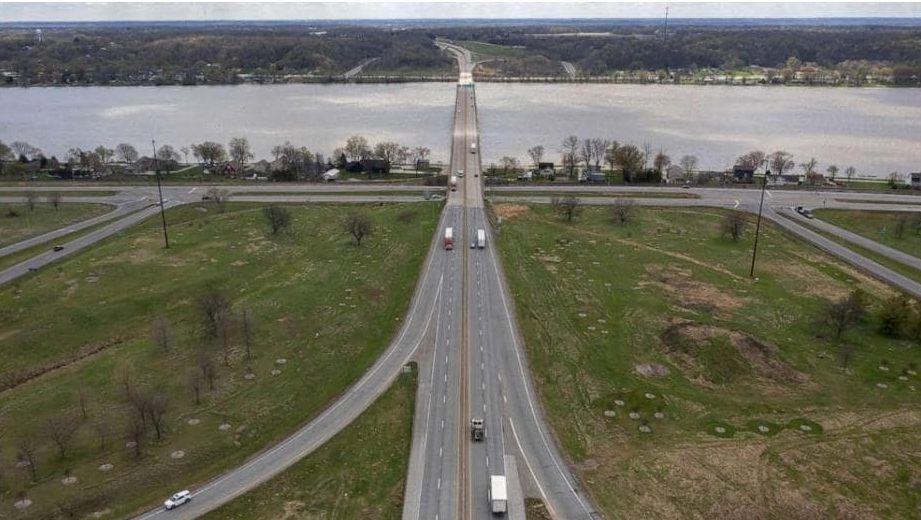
x=483, y=385
x=441, y=452
x=446, y=378
x=504, y=399
x=442, y=424
x=482, y=366
x=444, y=398
x=192, y=190
x=439, y=486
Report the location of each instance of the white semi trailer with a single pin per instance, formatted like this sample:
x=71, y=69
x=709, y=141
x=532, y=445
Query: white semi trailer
x=498, y=495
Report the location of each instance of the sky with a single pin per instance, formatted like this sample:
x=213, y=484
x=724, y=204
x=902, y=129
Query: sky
x=147, y=11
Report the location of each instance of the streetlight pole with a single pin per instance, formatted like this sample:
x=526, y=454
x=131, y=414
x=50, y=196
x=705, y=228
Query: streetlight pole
x=751, y=273
x=160, y=191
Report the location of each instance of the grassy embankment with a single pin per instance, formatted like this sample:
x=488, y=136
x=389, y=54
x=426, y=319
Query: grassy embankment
x=359, y=473
x=879, y=226
x=741, y=405
x=587, y=193
x=17, y=223
x=322, y=309
x=64, y=193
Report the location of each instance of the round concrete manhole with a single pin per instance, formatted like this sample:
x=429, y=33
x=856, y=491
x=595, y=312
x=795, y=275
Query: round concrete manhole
x=911, y=372
x=634, y=415
x=224, y=427
x=193, y=421
x=178, y=454
x=23, y=504
x=69, y=481
x=903, y=378
x=884, y=368
x=105, y=467
x=610, y=413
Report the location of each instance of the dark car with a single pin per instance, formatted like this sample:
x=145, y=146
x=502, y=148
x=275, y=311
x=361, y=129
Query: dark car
x=58, y=248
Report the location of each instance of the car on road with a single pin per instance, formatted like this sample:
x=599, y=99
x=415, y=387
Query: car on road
x=178, y=499
x=58, y=248
x=460, y=173
x=686, y=187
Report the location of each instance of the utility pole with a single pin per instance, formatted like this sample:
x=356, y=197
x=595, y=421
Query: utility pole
x=160, y=191
x=665, y=41
x=751, y=273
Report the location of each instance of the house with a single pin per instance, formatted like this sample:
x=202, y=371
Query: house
x=743, y=174
x=371, y=166
x=673, y=174
x=353, y=167
x=914, y=179
x=593, y=174
x=228, y=169
x=784, y=180
x=262, y=167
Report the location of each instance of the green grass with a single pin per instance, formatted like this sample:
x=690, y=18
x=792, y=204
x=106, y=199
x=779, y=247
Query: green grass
x=408, y=193
x=323, y=304
x=596, y=302
x=587, y=193
x=42, y=219
x=483, y=51
x=64, y=193
x=878, y=226
x=359, y=473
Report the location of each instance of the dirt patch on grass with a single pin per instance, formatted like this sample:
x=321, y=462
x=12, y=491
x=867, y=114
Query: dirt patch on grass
x=685, y=341
x=11, y=380
x=372, y=293
x=508, y=211
x=680, y=286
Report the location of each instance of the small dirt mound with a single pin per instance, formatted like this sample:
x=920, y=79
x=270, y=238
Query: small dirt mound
x=681, y=287
x=508, y=211
x=715, y=355
x=651, y=370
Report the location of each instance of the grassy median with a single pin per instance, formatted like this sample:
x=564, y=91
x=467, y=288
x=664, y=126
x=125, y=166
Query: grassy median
x=87, y=335
x=359, y=473
x=17, y=222
x=881, y=226
x=679, y=387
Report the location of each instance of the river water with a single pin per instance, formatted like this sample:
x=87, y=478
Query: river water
x=875, y=130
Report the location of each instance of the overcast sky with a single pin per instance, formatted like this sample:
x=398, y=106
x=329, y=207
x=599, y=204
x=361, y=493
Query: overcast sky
x=99, y=11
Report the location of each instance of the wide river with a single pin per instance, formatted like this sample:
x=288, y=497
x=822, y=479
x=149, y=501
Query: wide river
x=875, y=130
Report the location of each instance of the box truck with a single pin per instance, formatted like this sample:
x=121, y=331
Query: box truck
x=498, y=498
x=481, y=238
x=472, y=147
x=449, y=238
x=454, y=183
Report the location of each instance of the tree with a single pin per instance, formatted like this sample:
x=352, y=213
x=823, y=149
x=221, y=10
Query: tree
x=420, y=153
x=213, y=307
x=661, y=162
x=688, y=164
x=194, y=379
x=832, y=172
x=536, y=153
x=105, y=154
x=508, y=163
x=387, y=150
x=83, y=399
x=809, y=171
x=843, y=314
x=610, y=154
x=160, y=333
x=278, y=218
x=569, y=151
x=895, y=180
x=103, y=428
x=568, y=207
x=240, y=151
x=54, y=198
x=630, y=160
x=206, y=365
x=893, y=315
x=734, y=225
x=27, y=452
x=850, y=172
x=780, y=162
x=156, y=407
x=754, y=159
x=358, y=225
x=246, y=329
x=134, y=432
x=219, y=197
x=622, y=210
x=31, y=199
x=185, y=154
x=901, y=222
x=23, y=149
x=167, y=156
x=60, y=429
x=126, y=153
x=209, y=153
x=6, y=153
x=356, y=148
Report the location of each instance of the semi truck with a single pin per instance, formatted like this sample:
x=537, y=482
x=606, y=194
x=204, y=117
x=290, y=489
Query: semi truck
x=454, y=183
x=449, y=238
x=498, y=497
x=481, y=238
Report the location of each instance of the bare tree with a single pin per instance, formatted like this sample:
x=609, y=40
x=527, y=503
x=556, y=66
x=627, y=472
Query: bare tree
x=160, y=333
x=61, y=429
x=104, y=154
x=156, y=408
x=843, y=314
x=278, y=218
x=610, y=154
x=734, y=225
x=901, y=222
x=128, y=383
x=126, y=153
x=240, y=151
x=568, y=207
x=850, y=172
x=356, y=148
x=27, y=452
x=896, y=179
x=387, y=150
x=688, y=164
x=167, y=157
x=225, y=337
x=246, y=330
x=661, y=162
x=84, y=399
x=195, y=380
x=780, y=162
x=622, y=210
x=213, y=306
x=31, y=199
x=54, y=199
x=134, y=432
x=536, y=153
x=570, y=152
x=24, y=149
x=103, y=428
x=219, y=197
x=207, y=367
x=599, y=146
x=358, y=225
x=832, y=172
x=509, y=163
x=754, y=159
x=209, y=153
